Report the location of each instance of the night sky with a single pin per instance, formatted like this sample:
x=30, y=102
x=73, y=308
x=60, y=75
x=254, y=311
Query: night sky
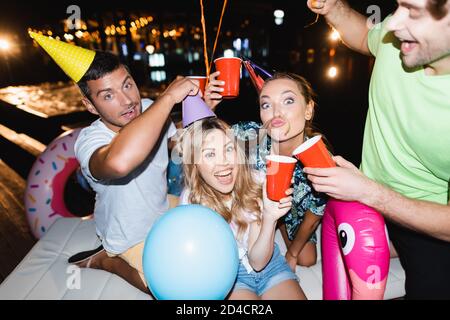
x=342, y=103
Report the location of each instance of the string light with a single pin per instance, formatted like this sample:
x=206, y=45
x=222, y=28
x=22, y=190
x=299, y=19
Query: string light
x=141, y=22
x=332, y=72
x=4, y=45
x=68, y=37
x=335, y=36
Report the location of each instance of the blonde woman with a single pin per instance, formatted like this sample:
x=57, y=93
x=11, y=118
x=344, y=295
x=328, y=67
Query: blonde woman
x=218, y=176
x=286, y=109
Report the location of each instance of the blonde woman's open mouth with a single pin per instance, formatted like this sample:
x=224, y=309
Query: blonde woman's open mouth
x=225, y=177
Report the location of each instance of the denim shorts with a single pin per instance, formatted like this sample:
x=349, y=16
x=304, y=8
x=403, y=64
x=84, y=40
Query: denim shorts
x=276, y=271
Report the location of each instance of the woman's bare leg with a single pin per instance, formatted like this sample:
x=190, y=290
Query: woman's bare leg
x=286, y=290
x=242, y=294
x=308, y=256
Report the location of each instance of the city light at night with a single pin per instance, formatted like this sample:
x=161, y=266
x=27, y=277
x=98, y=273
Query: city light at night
x=4, y=45
x=332, y=72
x=335, y=36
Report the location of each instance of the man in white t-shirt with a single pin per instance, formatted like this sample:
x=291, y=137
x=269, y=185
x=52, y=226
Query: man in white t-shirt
x=124, y=157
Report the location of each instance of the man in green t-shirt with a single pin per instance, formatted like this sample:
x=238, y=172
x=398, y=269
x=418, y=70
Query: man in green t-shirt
x=405, y=169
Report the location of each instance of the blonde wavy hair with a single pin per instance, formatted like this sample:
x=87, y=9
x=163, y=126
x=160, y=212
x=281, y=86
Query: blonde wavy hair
x=246, y=195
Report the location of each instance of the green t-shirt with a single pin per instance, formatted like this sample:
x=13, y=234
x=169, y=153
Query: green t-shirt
x=407, y=135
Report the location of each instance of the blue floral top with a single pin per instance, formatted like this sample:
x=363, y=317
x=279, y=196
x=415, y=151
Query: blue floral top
x=304, y=197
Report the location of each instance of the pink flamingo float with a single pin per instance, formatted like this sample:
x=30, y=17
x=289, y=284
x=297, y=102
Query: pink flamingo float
x=355, y=252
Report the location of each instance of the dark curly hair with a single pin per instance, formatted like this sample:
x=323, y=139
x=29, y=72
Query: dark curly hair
x=104, y=63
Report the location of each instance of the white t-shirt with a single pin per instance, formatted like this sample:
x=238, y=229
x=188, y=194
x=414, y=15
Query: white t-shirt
x=126, y=208
x=242, y=244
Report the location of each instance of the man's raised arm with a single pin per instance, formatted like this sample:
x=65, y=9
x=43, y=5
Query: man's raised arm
x=351, y=25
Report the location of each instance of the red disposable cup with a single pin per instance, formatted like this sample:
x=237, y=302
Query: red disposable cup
x=314, y=154
x=201, y=81
x=230, y=72
x=279, y=176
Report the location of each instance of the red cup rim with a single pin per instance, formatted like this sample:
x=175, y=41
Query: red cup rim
x=228, y=58
x=281, y=159
x=306, y=145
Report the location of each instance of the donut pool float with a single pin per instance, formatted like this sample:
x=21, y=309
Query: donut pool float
x=355, y=252
x=54, y=186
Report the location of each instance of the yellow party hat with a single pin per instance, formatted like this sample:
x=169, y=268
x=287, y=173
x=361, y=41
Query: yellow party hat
x=74, y=60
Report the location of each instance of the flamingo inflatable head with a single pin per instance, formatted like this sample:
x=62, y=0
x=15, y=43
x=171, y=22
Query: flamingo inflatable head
x=355, y=252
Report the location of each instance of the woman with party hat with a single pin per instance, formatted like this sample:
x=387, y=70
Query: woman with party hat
x=286, y=112
x=218, y=176
x=123, y=155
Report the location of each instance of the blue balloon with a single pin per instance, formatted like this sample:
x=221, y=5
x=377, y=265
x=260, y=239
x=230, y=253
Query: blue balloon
x=189, y=254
